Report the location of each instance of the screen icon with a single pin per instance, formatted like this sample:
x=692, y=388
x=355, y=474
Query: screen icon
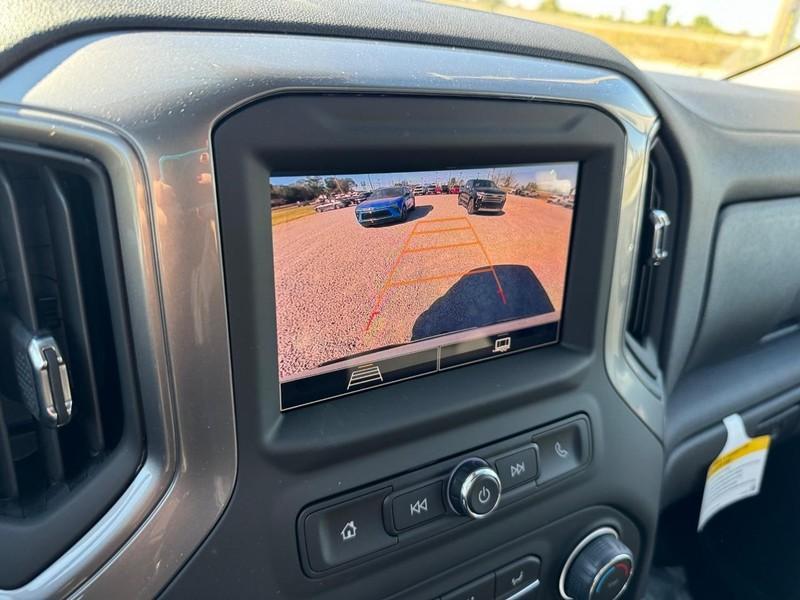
x=365, y=374
x=501, y=345
x=419, y=506
x=349, y=531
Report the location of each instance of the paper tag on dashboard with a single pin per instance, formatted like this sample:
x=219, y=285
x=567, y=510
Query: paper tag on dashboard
x=737, y=472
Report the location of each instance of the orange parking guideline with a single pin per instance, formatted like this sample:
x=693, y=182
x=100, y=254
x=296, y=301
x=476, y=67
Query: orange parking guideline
x=445, y=219
x=442, y=230
x=444, y=247
x=389, y=283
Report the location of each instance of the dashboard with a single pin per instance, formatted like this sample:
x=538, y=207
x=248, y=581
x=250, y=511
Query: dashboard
x=404, y=307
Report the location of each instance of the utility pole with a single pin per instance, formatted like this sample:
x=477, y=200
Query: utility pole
x=781, y=36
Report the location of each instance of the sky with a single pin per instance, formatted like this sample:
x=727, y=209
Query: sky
x=754, y=16
x=523, y=175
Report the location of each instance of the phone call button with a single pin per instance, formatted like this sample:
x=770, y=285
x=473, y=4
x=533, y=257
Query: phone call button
x=563, y=449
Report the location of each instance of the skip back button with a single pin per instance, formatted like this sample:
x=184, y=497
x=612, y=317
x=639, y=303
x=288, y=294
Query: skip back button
x=418, y=506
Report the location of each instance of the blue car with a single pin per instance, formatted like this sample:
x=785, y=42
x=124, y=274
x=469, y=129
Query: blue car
x=385, y=205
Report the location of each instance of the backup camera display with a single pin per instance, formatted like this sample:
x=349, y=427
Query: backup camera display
x=381, y=277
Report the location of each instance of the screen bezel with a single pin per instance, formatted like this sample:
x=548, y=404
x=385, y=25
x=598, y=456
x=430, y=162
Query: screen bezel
x=408, y=133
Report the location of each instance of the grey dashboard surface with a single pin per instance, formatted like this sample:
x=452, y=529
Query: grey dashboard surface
x=732, y=105
x=29, y=27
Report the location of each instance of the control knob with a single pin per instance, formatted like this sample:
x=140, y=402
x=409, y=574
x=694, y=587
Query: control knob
x=474, y=488
x=599, y=568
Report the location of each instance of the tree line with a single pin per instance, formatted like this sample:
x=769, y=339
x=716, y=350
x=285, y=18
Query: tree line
x=309, y=188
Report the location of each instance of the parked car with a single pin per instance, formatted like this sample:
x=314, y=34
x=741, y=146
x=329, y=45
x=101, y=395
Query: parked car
x=386, y=205
x=454, y=189
x=482, y=195
x=418, y=190
x=332, y=204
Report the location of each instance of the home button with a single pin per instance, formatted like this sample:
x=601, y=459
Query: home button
x=346, y=531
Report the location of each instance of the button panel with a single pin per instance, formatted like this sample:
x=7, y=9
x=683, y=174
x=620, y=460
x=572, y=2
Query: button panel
x=341, y=532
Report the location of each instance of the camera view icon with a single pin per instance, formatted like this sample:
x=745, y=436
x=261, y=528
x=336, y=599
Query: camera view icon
x=365, y=374
x=502, y=345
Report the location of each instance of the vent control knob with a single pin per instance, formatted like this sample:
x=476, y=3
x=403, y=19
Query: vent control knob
x=474, y=489
x=599, y=568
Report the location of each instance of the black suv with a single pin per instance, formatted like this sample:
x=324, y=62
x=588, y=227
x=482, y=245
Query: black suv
x=481, y=195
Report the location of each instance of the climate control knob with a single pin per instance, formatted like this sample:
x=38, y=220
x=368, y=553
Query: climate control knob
x=599, y=568
x=474, y=488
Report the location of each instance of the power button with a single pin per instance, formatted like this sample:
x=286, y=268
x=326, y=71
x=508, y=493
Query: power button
x=483, y=495
x=474, y=488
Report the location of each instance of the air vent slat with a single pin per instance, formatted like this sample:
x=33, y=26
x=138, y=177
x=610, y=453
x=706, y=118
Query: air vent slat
x=14, y=259
x=76, y=325
x=8, y=478
x=51, y=453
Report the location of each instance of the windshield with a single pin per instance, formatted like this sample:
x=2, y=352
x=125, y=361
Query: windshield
x=392, y=192
x=484, y=183
x=707, y=38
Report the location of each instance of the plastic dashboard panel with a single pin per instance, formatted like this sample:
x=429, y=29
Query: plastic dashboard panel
x=162, y=93
x=742, y=270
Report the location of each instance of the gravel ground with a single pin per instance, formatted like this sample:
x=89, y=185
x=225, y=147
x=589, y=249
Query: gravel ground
x=341, y=289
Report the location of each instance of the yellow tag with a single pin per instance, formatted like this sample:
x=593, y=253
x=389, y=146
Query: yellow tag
x=736, y=473
x=755, y=444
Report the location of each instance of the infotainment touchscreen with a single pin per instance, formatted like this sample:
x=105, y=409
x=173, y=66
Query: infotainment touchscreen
x=383, y=277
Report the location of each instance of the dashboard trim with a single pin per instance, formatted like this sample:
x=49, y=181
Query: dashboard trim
x=155, y=98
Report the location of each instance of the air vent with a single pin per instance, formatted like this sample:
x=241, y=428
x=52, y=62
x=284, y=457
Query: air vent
x=70, y=437
x=649, y=293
